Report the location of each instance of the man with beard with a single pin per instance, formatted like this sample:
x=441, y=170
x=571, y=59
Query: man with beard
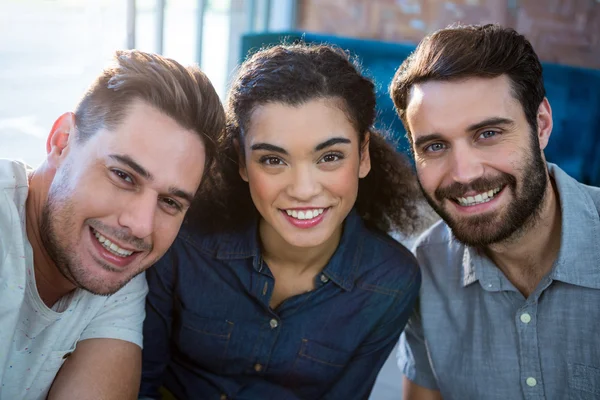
x=77, y=232
x=508, y=307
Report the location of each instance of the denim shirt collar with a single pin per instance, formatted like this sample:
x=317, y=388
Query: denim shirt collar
x=578, y=259
x=342, y=268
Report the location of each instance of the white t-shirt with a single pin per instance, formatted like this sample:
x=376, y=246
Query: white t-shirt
x=34, y=339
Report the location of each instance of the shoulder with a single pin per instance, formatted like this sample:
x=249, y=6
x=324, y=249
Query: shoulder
x=437, y=243
x=14, y=189
x=128, y=295
x=229, y=244
x=13, y=182
x=594, y=194
x=387, y=266
x=12, y=173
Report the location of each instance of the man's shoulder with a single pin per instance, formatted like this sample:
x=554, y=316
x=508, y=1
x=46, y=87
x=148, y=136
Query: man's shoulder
x=128, y=296
x=437, y=235
x=438, y=251
x=12, y=173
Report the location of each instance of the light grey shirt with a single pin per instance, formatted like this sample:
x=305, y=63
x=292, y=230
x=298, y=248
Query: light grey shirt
x=475, y=336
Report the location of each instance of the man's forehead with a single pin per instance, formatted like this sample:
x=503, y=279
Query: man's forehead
x=464, y=102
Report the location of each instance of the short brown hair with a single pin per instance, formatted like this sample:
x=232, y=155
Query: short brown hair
x=465, y=51
x=183, y=93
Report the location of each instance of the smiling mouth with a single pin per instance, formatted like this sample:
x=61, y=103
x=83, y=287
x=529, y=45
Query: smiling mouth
x=305, y=214
x=479, y=198
x=112, y=247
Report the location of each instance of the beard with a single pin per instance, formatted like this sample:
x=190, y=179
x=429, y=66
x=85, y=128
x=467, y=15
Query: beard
x=57, y=225
x=494, y=227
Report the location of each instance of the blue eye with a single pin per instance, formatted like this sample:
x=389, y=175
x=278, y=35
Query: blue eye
x=435, y=147
x=488, y=134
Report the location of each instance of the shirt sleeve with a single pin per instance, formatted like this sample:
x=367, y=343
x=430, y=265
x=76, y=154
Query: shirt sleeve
x=412, y=356
x=359, y=376
x=122, y=315
x=157, y=327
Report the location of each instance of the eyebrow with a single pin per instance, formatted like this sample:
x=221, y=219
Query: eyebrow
x=319, y=147
x=182, y=194
x=427, y=138
x=125, y=159
x=144, y=173
x=331, y=142
x=487, y=122
x=490, y=121
x=268, y=147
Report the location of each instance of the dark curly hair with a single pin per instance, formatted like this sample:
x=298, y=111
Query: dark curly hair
x=294, y=74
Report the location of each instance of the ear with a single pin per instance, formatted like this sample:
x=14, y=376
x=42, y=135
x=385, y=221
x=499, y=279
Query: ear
x=57, y=144
x=365, y=157
x=241, y=162
x=544, y=123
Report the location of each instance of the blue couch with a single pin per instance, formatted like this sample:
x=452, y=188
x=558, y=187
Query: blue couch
x=574, y=95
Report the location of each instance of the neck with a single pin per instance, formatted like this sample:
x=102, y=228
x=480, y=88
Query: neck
x=50, y=282
x=280, y=254
x=527, y=256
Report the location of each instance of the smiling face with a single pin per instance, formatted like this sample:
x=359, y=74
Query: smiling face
x=303, y=165
x=118, y=199
x=478, y=163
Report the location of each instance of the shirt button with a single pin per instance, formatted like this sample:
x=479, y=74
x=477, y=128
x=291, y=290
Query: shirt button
x=223, y=397
x=531, y=381
x=257, y=367
x=324, y=278
x=274, y=324
x=526, y=318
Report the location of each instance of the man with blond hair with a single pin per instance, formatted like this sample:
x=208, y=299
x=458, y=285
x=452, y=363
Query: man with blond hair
x=77, y=233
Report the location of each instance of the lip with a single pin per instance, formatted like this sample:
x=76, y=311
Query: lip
x=480, y=208
x=110, y=258
x=305, y=208
x=305, y=223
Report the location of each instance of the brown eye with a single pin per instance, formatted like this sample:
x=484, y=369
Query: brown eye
x=331, y=157
x=122, y=175
x=271, y=160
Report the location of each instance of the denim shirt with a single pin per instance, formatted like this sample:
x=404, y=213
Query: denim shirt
x=210, y=333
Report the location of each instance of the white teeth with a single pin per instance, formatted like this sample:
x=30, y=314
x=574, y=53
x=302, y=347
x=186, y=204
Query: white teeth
x=110, y=246
x=479, y=198
x=304, y=215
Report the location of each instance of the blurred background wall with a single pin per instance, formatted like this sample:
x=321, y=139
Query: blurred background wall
x=561, y=31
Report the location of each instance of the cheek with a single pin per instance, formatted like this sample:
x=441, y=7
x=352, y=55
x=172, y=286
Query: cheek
x=430, y=176
x=343, y=182
x=264, y=187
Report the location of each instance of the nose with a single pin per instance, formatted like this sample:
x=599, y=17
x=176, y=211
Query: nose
x=139, y=214
x=467, y=165
x=304, y=185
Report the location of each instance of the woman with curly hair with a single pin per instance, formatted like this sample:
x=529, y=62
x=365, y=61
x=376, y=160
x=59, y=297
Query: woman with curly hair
x=284, y=282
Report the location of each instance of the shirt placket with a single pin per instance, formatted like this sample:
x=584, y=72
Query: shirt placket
x=529, y=355
x=271, y=325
